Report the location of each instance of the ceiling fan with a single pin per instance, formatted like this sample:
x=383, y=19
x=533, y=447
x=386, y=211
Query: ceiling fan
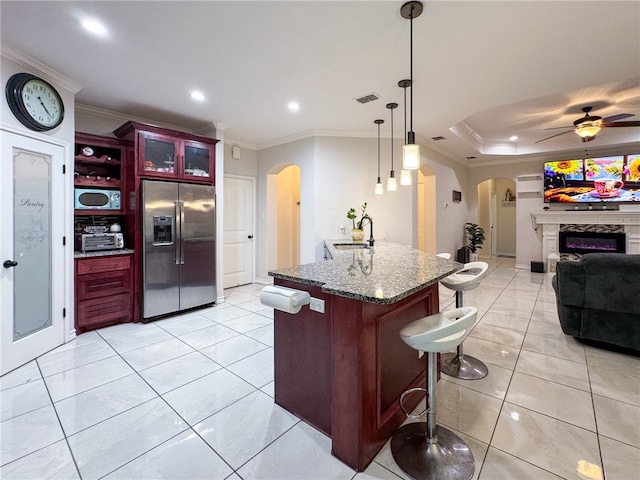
x=588, y=126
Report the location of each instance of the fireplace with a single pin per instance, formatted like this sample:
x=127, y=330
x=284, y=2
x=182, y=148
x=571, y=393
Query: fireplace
x=592, y=242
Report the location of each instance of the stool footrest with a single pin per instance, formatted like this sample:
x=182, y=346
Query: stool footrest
x=407, y=412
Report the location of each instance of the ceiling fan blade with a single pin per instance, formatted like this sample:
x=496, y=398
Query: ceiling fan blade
x=632, y=123
x=552, y=136
x=614, y=118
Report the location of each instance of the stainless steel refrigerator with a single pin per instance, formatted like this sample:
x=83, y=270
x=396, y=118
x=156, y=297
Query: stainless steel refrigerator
x=179, y=247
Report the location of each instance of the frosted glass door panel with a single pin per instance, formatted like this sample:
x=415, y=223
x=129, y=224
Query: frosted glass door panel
x=31, y=242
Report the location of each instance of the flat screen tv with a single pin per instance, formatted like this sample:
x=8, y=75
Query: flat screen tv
x=593, y=180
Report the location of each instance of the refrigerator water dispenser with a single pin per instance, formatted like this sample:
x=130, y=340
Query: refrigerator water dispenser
x=162, y=230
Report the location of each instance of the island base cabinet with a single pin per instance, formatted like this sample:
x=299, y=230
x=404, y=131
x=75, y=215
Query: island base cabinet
x=343, y=371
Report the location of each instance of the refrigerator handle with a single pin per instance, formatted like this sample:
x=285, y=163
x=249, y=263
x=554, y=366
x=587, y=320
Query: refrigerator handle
x=178, y=228
x=181, y=235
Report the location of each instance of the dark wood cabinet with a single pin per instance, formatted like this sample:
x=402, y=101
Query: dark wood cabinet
x=169, y=154
x=98, y=165
x=103, y=291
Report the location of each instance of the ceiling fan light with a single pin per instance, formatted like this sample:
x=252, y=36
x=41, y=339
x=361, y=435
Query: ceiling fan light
x=405, y=177
x=588, y=130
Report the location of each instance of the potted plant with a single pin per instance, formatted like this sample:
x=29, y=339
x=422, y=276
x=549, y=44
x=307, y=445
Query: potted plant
x=475, y=237
x=357, y=232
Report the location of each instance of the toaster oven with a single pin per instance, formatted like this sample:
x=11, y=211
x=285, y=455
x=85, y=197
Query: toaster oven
x=92, y=242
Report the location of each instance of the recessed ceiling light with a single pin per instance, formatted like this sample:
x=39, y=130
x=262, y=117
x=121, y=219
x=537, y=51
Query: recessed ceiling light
x=94, y=26
x=293, y=106
x=513, y=138
x=197, y=96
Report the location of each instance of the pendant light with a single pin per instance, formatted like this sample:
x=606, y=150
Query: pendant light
x=379, y=190
x=411, y=150
x=405, y=175
x=392, y=184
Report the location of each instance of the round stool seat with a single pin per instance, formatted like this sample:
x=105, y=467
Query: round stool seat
x=440, y=332
x=461, y=281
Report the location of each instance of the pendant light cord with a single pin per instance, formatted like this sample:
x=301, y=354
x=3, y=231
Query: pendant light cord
x=378, y=151
x=411, y=62
x=392, y=141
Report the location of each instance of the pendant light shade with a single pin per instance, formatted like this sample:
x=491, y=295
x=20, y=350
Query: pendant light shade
x=392, y=184
x=378, y=190
x=405, y=175
x=411, y=150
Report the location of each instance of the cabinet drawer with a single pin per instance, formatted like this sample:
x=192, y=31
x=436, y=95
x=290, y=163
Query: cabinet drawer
x=102, y=310
x=103, y=284
x=103, y=264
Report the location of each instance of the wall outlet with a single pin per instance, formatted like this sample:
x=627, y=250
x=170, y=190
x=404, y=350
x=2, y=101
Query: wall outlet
x=317, y=305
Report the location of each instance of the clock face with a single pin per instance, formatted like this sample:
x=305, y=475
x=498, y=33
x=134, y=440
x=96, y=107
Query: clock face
x=42, y=103
x=34, y=102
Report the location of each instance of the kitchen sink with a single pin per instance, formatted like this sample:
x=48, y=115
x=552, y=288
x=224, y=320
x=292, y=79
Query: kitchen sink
x=350, y=246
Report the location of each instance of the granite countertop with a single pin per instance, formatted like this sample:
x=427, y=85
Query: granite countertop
x=103, y=253
x=384, y=274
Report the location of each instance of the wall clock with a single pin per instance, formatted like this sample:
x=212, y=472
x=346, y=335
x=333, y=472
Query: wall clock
x=34, y=102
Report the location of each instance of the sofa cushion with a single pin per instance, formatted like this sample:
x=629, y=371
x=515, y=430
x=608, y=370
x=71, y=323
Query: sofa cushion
x=612, y=282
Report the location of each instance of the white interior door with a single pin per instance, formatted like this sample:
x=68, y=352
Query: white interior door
x=32, y=206
x=239, y=199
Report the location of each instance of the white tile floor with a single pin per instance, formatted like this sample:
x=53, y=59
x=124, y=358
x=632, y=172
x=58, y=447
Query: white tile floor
x=192, y=397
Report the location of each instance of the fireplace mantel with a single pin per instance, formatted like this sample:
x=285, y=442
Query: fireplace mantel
x=550, y=220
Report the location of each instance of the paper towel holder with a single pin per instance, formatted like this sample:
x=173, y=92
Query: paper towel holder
x=298, y=298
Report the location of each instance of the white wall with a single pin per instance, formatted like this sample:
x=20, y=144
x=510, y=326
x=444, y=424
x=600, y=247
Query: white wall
x=270, y=162
x=450, y=216
x=246, y=165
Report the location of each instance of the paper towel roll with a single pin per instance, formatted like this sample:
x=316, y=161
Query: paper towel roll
x=283, y=298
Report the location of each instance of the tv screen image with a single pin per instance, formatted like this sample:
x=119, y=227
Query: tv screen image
x=591, y=180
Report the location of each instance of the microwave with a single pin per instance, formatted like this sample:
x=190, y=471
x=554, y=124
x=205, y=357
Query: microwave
x=92, y=242
x=97, y=199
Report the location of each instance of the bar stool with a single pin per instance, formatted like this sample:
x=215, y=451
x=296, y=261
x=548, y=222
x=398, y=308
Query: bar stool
x=458, y=364
x=426, y=450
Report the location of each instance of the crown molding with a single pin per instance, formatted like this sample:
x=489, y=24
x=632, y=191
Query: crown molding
x=35, y=66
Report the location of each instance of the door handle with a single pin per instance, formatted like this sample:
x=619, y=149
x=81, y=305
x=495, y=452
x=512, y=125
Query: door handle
x=250, y=237
x=10, y=264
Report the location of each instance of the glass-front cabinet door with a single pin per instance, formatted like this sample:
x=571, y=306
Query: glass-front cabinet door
x=174, y=158
x=196, y=161
x=158, y=155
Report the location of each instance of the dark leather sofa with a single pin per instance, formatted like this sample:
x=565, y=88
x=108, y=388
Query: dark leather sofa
x=598, y=298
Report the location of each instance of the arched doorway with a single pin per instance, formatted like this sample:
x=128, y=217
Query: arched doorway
x=283, y=230
x=426, y=202
x=497, y=215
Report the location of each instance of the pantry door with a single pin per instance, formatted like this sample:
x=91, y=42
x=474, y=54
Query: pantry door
x=32, y=206
x=238, y=248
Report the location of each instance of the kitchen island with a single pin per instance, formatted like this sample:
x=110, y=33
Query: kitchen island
x=344, y=368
